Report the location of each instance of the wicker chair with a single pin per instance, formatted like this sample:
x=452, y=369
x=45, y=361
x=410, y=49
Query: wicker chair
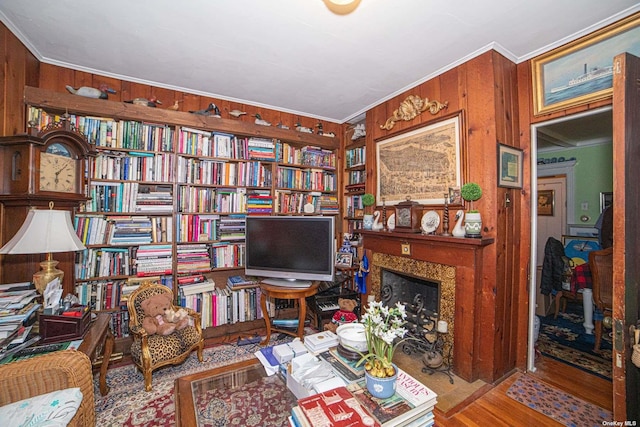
x=50, y=372
x=150, y=352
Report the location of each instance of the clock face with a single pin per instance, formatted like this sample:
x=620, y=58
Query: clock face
x=403, y=217
x=57, y=170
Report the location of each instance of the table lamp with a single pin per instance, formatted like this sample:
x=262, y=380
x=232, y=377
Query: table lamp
x=45, y=231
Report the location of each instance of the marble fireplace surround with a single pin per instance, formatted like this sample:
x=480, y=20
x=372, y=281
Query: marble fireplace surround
x=456, y=261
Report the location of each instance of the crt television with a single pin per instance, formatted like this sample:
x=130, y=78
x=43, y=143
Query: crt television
x=290, y=251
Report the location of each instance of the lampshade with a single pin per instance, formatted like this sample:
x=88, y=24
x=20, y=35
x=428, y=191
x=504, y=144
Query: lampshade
x=44, y=231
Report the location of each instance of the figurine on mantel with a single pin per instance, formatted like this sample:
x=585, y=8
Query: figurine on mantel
x=147, y=102
x=260, y=121
x=236, y=113
x=358, y=132
x=303, y=129
x=458, y=230
x=319, y=126
x=101, y=92
x=280, y=125
x=211, y=110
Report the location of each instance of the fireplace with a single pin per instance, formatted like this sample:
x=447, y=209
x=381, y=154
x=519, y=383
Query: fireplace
x=455, y=264
x=426, y=289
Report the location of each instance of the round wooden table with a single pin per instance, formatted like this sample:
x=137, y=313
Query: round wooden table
x=281, y=292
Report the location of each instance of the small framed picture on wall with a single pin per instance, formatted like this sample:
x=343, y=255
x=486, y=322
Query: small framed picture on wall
x=545, y=202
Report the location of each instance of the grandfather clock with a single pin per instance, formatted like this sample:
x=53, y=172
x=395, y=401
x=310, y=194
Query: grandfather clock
x=37, y=168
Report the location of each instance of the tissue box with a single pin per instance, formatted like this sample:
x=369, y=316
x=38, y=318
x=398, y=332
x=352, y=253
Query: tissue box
x=293, y=384
x=58, y=328
x=286, y=352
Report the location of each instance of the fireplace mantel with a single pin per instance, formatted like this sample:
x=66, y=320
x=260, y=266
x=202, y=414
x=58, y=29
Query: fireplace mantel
x=466, y=255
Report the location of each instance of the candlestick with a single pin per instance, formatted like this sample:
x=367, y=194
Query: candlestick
x=384, y=215
x=445, y=217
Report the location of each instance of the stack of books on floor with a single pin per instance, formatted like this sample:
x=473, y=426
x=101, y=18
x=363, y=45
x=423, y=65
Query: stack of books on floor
x=321, y=341
x=411, y=406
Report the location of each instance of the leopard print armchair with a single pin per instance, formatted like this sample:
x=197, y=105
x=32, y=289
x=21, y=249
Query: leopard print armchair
x=150, y=352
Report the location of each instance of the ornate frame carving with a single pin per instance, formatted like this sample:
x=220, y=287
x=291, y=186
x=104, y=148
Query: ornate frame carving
x=410, y=108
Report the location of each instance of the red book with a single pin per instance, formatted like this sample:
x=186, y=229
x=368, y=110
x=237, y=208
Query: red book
x=336, y=408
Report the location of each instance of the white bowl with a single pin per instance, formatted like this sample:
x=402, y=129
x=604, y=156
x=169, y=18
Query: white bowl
x=351, y=335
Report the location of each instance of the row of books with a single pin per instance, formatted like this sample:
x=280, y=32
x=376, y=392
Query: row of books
x=99, y=230
x=259, y=202
x=133, y=166
x=110, y=133
x=355, y=157
x=202, y=143
x=220, y=306
x=216, y=172
x=128, y=197
x=112, y=294
x=305, y=156
x=411, y=405
x=305, y=179
x=357, y=177
x=261, y=149
x=219, y=200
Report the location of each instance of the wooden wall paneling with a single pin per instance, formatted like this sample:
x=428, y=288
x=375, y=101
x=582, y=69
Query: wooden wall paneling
x=4, y=34
x=190, y=102
x=523, y=197
x=82, y=78
x=14, y=63
x=55, y=78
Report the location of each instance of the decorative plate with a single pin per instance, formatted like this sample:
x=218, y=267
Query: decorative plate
x=430, y=221
x=391, y=222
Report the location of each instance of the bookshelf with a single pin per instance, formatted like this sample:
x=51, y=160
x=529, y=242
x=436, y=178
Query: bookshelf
x=169, y=192
x=355, y=176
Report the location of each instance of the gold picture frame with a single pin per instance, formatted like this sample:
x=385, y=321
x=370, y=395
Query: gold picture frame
x=422, y=163
x=546, y=202
x=582, y=71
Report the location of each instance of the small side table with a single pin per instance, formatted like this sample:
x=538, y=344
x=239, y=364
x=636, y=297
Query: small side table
x=99, y=336
x=280, y=292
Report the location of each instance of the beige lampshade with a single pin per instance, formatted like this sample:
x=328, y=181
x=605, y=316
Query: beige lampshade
x=45, y=231
x=341, y=7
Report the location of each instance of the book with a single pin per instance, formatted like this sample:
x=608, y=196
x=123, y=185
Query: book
x=321, y=341
x=239, y=282
x=335, y=408
x=411, y=400
x=348, y=373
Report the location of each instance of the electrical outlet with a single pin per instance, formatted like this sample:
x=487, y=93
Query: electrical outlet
x=585, y=206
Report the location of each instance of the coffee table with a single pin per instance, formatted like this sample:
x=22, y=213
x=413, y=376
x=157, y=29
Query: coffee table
x=240, y=391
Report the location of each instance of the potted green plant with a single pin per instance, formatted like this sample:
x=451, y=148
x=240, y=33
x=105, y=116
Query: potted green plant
x=368, y=199
x=471, y=192
x=384, y=331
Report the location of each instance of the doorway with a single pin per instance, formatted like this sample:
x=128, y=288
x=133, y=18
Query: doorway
x=547, y=139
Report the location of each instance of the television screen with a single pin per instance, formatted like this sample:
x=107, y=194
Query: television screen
x=290, y=250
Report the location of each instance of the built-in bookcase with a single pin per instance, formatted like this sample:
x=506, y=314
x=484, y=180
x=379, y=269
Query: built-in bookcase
x=168, y=194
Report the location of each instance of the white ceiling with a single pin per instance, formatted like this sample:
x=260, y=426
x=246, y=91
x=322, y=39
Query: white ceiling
x=295, y=55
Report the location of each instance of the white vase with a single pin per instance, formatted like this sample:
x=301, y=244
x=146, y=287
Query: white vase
x=473, y=225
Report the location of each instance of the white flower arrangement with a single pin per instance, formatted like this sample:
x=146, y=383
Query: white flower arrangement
x=383, y=327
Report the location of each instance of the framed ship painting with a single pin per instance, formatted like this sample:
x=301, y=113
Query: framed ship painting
x=582, y=71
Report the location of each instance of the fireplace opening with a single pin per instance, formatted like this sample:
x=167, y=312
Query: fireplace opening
x=420, y=296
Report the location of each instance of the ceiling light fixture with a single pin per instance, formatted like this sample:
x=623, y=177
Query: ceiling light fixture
x=341, y=7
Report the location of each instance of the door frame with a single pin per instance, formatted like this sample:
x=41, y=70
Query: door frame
x=547, y=170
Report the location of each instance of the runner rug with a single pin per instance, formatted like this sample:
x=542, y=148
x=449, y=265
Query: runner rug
x=128, y=404
x=564, y=339
x=556, y=404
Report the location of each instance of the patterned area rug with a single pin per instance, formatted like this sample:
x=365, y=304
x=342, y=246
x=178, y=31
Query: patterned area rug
x=556, y=404
x=128, y=404
x=565, y=339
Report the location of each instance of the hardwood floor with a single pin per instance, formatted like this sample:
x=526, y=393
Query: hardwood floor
x=495, y=408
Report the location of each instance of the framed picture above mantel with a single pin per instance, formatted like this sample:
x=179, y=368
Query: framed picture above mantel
x=422, y=163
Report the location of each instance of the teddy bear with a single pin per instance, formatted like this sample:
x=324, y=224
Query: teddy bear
x=344, y=314
x=179, y=317
x=154, y=321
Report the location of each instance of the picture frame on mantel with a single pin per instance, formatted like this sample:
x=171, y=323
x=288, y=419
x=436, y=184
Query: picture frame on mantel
x=581, y=72
x=509, y=166
x=422, y=163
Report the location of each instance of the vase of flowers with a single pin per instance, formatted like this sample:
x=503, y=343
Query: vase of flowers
x=384, y=331
x=368, y=199
x=473, y=221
